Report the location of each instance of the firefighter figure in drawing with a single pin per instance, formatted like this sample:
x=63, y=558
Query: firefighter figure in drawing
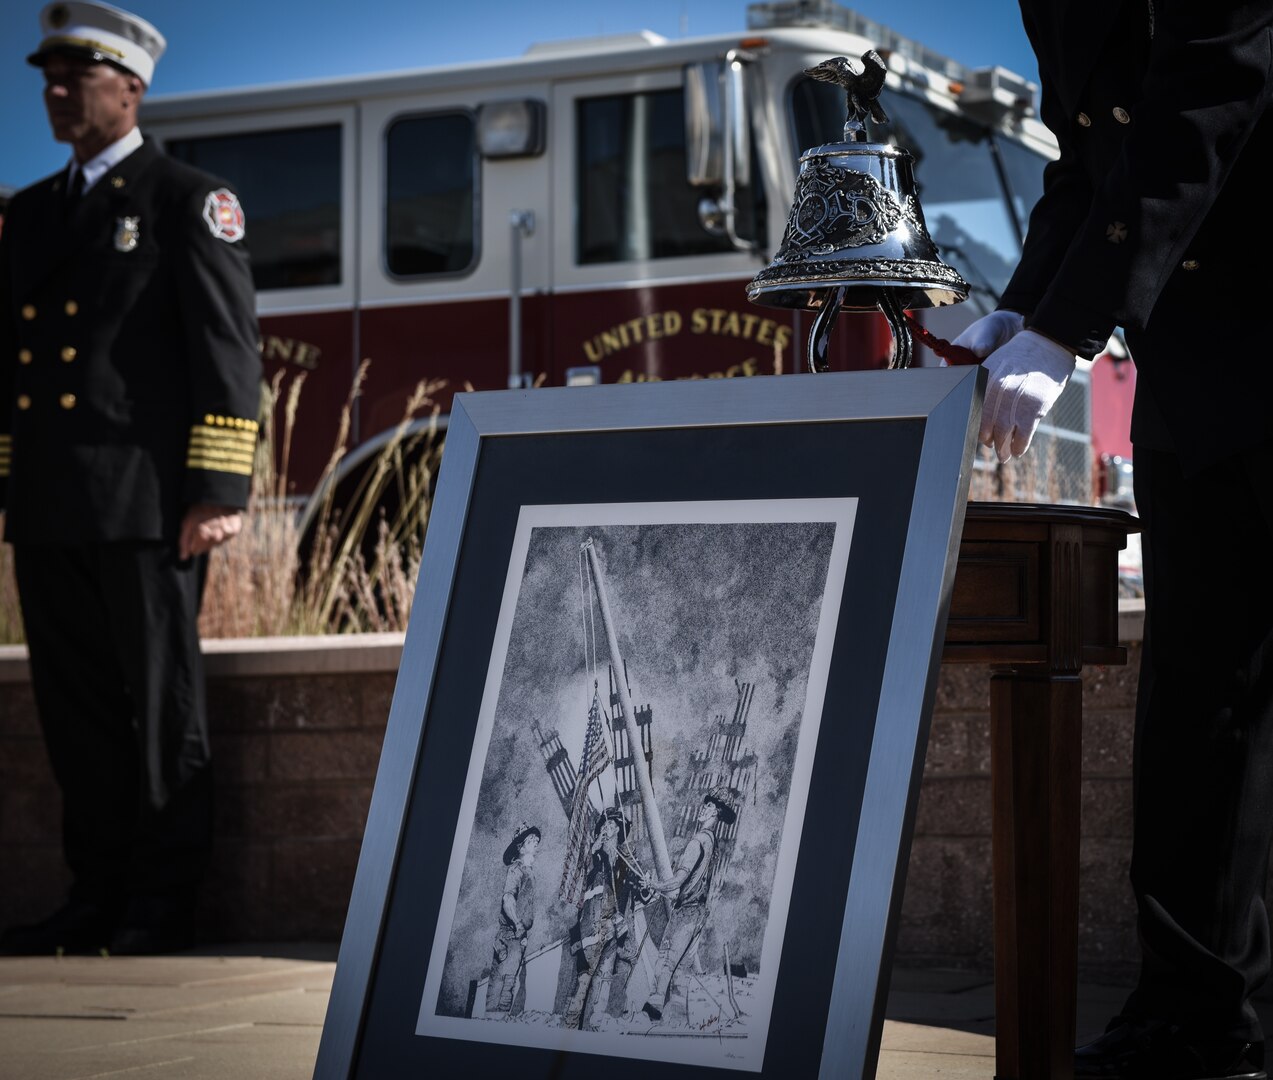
x=690, y=890
x=516, y=917
x=602, y=941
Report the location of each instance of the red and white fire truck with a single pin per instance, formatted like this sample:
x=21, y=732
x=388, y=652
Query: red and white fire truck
x=592, y=211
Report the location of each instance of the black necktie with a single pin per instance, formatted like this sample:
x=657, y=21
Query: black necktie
x=74, y=191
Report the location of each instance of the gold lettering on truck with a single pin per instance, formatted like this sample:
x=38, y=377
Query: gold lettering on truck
x=652, y=327
x=744, y=325
x=286, y=350
x=719, y=322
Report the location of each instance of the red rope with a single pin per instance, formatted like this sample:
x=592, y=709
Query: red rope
x=952, y=354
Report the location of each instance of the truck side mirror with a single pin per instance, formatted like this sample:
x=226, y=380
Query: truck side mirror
x=717, y=124
x=704, y=123
x=718, y=139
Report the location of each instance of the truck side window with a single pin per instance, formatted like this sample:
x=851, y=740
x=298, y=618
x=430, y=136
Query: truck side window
x=289, y=183
x=634, y=200
x=431, y=175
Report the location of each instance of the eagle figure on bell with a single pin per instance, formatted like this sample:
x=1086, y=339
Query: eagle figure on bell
x=861, y=80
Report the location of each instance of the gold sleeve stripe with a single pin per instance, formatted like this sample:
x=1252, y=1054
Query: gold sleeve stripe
x=237, y=468
x=212, y=420
x=247, y=438
x=244, y=439
x=239, y=457
x=224, y=432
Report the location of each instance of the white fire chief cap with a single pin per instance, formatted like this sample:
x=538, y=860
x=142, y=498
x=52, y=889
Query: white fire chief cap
x=101, y=33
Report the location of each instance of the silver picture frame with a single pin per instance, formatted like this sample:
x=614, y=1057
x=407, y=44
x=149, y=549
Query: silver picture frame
x=901, y=443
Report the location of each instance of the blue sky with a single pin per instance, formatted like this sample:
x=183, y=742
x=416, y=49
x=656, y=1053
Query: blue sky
x=254, y=42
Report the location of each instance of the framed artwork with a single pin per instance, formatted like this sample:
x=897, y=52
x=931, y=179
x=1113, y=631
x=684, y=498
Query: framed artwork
x=649, y=775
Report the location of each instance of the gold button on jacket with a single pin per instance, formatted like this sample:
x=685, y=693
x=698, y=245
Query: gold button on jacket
x=68, y=353
x=67, y=401
x=24, y=356
x=24, y=402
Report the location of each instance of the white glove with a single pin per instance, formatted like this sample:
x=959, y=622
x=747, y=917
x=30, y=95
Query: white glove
x=991, y=332
x=1027, y=375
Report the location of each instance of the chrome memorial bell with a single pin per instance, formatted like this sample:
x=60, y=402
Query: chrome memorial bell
x=856, y=238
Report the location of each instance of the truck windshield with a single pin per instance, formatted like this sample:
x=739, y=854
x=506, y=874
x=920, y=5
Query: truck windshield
x=975, y=216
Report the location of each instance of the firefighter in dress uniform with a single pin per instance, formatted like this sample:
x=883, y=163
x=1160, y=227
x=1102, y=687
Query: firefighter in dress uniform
x=1155, y=218
x=129, y=393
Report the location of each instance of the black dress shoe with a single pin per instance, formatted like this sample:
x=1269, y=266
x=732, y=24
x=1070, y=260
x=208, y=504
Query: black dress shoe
x=1155, y=1050
x=75, y=929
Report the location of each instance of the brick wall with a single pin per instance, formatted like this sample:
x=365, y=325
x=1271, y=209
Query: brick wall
x=297, y=725
x=296, y=732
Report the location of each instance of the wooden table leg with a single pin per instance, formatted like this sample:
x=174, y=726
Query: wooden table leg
x=1036, y=743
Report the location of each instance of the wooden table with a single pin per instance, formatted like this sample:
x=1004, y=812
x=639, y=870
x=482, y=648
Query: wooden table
x=1036, y=597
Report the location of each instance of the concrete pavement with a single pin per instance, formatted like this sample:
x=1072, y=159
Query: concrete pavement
x=255, y=1013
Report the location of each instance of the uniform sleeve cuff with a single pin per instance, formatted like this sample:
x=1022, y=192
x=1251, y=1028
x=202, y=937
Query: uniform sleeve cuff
x=1082, y=330
x=222, y=444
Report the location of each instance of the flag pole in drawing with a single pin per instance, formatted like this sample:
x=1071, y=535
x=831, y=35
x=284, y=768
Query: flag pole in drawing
x=658, y=840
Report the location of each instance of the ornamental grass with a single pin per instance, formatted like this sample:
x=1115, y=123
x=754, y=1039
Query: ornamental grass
x=10, y=615
x=336, y=568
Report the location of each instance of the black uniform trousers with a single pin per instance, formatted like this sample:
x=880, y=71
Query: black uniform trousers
x=118, y=681
x=1204, y=741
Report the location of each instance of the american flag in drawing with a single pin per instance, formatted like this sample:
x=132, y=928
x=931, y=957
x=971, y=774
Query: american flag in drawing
x=595, y=761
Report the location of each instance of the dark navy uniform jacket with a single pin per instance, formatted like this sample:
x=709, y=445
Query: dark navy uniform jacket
x=129, y=368
x=1156, y=216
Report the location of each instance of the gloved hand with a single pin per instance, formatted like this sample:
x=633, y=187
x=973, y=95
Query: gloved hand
x=1027, y=375
x=991, y=332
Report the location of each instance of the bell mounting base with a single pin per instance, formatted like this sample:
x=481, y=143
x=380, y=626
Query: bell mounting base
x=889, y=305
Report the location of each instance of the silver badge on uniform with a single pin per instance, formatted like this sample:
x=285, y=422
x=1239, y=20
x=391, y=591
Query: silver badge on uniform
x=127, y=233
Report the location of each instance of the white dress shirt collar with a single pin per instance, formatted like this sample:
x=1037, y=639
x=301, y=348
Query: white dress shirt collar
x=97, y=166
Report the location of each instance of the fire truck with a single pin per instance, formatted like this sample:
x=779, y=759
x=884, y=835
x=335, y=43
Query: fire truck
x=592, y=211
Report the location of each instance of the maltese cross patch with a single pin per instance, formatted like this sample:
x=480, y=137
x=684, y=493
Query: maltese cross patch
x=224, y=215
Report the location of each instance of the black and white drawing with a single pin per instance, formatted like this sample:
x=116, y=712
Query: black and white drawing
x=623, y=860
